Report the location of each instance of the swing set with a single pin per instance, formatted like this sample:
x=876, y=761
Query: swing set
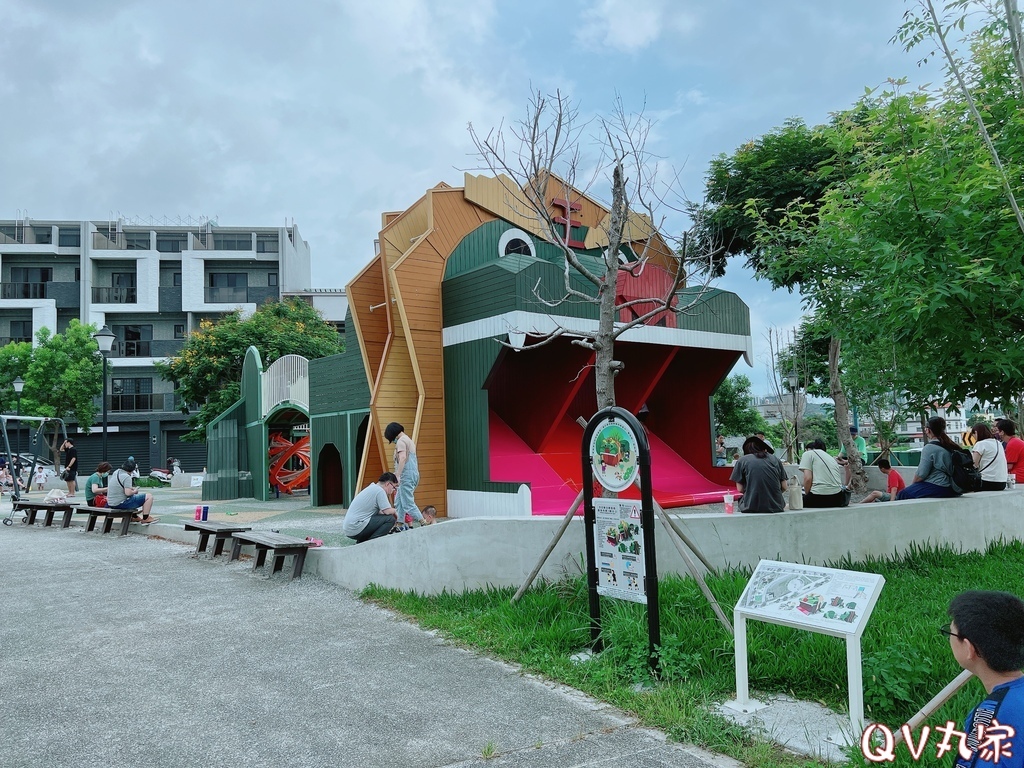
x=39, y=439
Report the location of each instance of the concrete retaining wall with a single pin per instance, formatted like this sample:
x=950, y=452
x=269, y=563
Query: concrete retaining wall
x=472, y=553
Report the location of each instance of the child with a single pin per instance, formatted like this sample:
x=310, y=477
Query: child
x=894, y=483
x=40, y=478
x=986, y=637
x=429, y=513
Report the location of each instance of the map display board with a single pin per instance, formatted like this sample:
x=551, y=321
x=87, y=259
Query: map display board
x=826, y=600
x=619, y=545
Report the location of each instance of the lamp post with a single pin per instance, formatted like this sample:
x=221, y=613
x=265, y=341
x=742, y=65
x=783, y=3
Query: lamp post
x=19, y=385
x=105, y=339
x=793, y=379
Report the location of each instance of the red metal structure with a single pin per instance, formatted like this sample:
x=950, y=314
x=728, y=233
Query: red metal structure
x=283, y=473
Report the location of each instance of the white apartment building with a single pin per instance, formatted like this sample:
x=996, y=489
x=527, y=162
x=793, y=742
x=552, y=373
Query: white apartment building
x=150, y=285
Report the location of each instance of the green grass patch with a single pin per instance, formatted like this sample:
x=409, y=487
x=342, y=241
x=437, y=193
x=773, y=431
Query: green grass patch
x=906, y=661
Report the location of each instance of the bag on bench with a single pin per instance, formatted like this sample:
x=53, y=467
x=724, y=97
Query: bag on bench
x=99, y=500
x=55, y=496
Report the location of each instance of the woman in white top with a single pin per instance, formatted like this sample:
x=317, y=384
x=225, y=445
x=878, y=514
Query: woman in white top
x=990, y=458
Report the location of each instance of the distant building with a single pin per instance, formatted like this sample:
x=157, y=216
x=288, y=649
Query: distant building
x=151, y=285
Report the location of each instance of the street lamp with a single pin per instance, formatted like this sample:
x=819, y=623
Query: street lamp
x=793, y=379
x=105, y=339
x=19, y=385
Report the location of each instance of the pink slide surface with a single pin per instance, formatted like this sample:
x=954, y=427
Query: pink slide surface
x=553, y=475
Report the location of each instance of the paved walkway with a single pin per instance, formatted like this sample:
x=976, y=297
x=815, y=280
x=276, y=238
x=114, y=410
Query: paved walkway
x=130, y=652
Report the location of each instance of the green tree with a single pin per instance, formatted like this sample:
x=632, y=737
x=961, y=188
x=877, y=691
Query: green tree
x=734, y=414
x=208, y=371
x=821, y=426
x=63, y=375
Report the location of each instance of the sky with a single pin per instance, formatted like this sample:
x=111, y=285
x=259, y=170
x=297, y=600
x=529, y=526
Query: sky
x=330, y=112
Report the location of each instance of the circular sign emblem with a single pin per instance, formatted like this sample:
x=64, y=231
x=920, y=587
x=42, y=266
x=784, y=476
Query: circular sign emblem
x=613, y=454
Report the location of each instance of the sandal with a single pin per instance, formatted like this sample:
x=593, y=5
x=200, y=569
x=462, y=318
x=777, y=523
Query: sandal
x=147, y=520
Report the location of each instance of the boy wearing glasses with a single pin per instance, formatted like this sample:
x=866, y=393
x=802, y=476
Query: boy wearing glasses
x=371, y=513
x=986, y=637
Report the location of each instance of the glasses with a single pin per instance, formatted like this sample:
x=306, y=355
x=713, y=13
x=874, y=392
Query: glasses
x=946, y=629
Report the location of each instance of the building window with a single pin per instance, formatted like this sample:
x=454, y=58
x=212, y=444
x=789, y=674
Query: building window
x=44, y=235
x=131, y=394
x=272, y=279
x=179, y=330
x=171, y=242
x=232, y=242
x=21, y=330
x=133, y=340
x=176, y=280
x=228, y=287
x=69, y=238
x=137, y=241
x=78, y=274
x=266, y=244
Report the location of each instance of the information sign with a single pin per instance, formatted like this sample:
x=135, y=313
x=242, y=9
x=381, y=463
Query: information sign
x=618, y=537
x=826, y=600
x=809, y=597
x=614, y=454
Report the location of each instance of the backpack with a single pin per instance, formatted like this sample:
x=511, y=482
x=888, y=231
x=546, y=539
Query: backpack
x=965, y=477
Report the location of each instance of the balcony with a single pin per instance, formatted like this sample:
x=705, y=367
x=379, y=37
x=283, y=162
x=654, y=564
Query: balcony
x=66, y=295
x=105, y=295
x=24, y=290
x=131, y=349
x=146, y=348
x=227, y=295
x=5, y=340
x=162, y=402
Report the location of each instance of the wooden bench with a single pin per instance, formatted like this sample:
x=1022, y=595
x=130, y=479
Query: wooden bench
x=221, y=532
x=31, y=508
x=109, y=516
x=278, y=543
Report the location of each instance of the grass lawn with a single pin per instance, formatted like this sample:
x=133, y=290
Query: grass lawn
x=906, y=660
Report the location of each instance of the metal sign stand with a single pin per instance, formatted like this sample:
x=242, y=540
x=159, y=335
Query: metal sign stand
x=824, y=600
x=617, y=444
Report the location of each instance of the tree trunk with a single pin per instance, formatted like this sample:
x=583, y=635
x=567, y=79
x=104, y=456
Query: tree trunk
x=858, y=477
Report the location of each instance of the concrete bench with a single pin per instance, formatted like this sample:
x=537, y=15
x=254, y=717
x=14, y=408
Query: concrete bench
x=31, y=508
x=278, y=543
x=221, y=532
x=109, y=516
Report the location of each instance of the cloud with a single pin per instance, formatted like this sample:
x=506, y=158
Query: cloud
x=629, y=26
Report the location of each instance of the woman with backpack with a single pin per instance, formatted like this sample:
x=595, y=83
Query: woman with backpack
x=989, y=458
x=933, y=479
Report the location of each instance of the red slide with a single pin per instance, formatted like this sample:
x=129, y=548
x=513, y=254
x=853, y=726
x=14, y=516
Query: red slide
x=554, y=476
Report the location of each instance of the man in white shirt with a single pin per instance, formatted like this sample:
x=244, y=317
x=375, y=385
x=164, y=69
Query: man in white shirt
x=371, y=513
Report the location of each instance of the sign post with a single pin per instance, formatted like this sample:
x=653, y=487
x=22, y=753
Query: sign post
x=621, y=559
x=825, y=600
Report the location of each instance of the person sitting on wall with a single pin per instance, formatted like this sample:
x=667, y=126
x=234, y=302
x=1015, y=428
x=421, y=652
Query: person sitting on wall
x=760, y=477
x=934, y=476
x=823, y=480
x=371, y=514
x=122, y=493
x=990, y=459
x=1006, y=432
x=986, y=636
x=894, y=483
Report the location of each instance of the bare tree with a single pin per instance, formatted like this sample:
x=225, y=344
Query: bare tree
x=782, y=391
x=542, y=158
